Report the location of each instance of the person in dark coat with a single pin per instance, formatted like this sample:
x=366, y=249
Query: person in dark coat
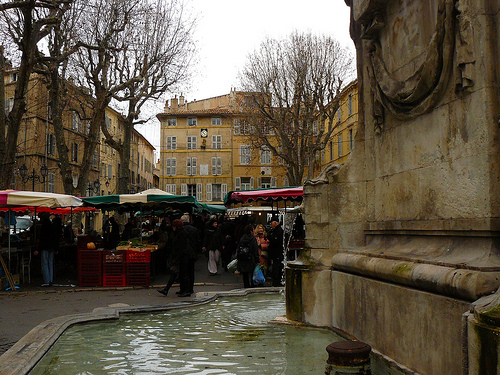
x=276, y=256
x=212, y=242
x=180, y=255
x=46, y=248
x=194, y=244
x=247, y=254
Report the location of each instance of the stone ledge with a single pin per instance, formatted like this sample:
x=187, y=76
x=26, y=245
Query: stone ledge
x=465, y=284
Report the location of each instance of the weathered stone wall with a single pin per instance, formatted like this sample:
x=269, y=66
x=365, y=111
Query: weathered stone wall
x=410, y=226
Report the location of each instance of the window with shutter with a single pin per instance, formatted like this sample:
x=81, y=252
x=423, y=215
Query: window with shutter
x=216, y=166
x=216, y=142
x=209, y=192
x=51, y=183
x=171, y=142
x=199, y=192
x=245, y=154
x=184, y=190
x=191, y=142
x=237, y=183
x=265, y=155
x=191, y=166
x=236, y=126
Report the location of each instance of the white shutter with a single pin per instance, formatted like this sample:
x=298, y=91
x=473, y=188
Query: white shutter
x=237, y=183
x=236, y=126
x=259, y=182
x=223, y=190
x=209, y=192
x=193, y=166
x=174, y=166
x=199, y=192
x=273, y=182
x=251, y=182
x=184, y=189
x=219, y=166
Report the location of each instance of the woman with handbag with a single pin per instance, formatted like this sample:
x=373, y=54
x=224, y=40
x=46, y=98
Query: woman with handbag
x=247, y=254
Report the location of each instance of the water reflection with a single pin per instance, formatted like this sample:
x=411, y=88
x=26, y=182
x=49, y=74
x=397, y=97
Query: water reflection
x=229, y=336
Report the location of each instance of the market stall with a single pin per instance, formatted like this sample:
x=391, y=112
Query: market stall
x=15, y=200
x=131, y=262
x=288, y=216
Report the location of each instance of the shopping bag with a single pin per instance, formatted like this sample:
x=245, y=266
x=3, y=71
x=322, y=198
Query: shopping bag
x=232, y=265
x=258, y=276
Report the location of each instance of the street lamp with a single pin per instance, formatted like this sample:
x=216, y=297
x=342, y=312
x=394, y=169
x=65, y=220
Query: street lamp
x=33, y=176
x=93, y=188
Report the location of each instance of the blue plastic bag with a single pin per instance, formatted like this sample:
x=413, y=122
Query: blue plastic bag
x=258, y=276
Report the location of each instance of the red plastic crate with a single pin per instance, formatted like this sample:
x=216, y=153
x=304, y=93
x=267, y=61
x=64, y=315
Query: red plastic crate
x=138, y=274
x=138, y=268
x=139, y=279
x=89, y=268
x=113, y=256
x=89, y=256
x=108, y=280
x=138, y=256
x=113, y=269
x=90, y=280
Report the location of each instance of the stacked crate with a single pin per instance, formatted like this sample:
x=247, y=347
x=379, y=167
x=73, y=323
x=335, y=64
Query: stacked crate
x=89, y=262
x=138, y=264
x=114, y=272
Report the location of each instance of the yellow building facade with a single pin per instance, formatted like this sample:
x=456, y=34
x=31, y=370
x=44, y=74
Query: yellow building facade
x=341, y=142
x=36, y=143
x=205, y=151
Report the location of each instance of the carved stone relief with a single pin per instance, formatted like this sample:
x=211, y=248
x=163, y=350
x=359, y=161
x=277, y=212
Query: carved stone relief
x=421, y=91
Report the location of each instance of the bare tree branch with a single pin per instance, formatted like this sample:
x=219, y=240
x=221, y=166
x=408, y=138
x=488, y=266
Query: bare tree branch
x=295, y=85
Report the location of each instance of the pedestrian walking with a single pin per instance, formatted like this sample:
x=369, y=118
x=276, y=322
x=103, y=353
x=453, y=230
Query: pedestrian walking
x=180, y=253
x=247, y=254
x=212, y=243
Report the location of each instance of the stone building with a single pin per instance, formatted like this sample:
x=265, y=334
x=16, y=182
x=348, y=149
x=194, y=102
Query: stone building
x=341, y=143
x=37, y=143
x=205, y=150
x=402, y=244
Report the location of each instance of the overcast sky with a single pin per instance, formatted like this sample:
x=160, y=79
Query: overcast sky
x=228, y=30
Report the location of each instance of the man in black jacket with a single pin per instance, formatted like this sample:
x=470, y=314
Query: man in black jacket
x=276, y=256
x=194, y=245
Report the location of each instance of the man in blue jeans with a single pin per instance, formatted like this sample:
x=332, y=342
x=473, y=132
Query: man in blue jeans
x=46, y=248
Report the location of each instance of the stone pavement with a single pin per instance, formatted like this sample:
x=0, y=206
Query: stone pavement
x=24, y=309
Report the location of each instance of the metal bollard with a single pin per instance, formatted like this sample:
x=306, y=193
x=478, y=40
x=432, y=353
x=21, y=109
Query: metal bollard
x=348, y=357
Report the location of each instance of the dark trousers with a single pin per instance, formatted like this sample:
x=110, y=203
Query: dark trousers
x=277, y=272
x=247, y=279
x=186, y=277
x=171, y=281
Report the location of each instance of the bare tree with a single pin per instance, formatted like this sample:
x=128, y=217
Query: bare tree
x=133, y=51
x=295, y=84
x=61, y=44
x=160, y=51
x=24, y=24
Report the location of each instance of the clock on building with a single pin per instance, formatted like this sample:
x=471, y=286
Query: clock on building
x=204, y=133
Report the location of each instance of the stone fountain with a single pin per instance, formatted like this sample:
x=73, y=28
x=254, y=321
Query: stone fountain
x=402, y=246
